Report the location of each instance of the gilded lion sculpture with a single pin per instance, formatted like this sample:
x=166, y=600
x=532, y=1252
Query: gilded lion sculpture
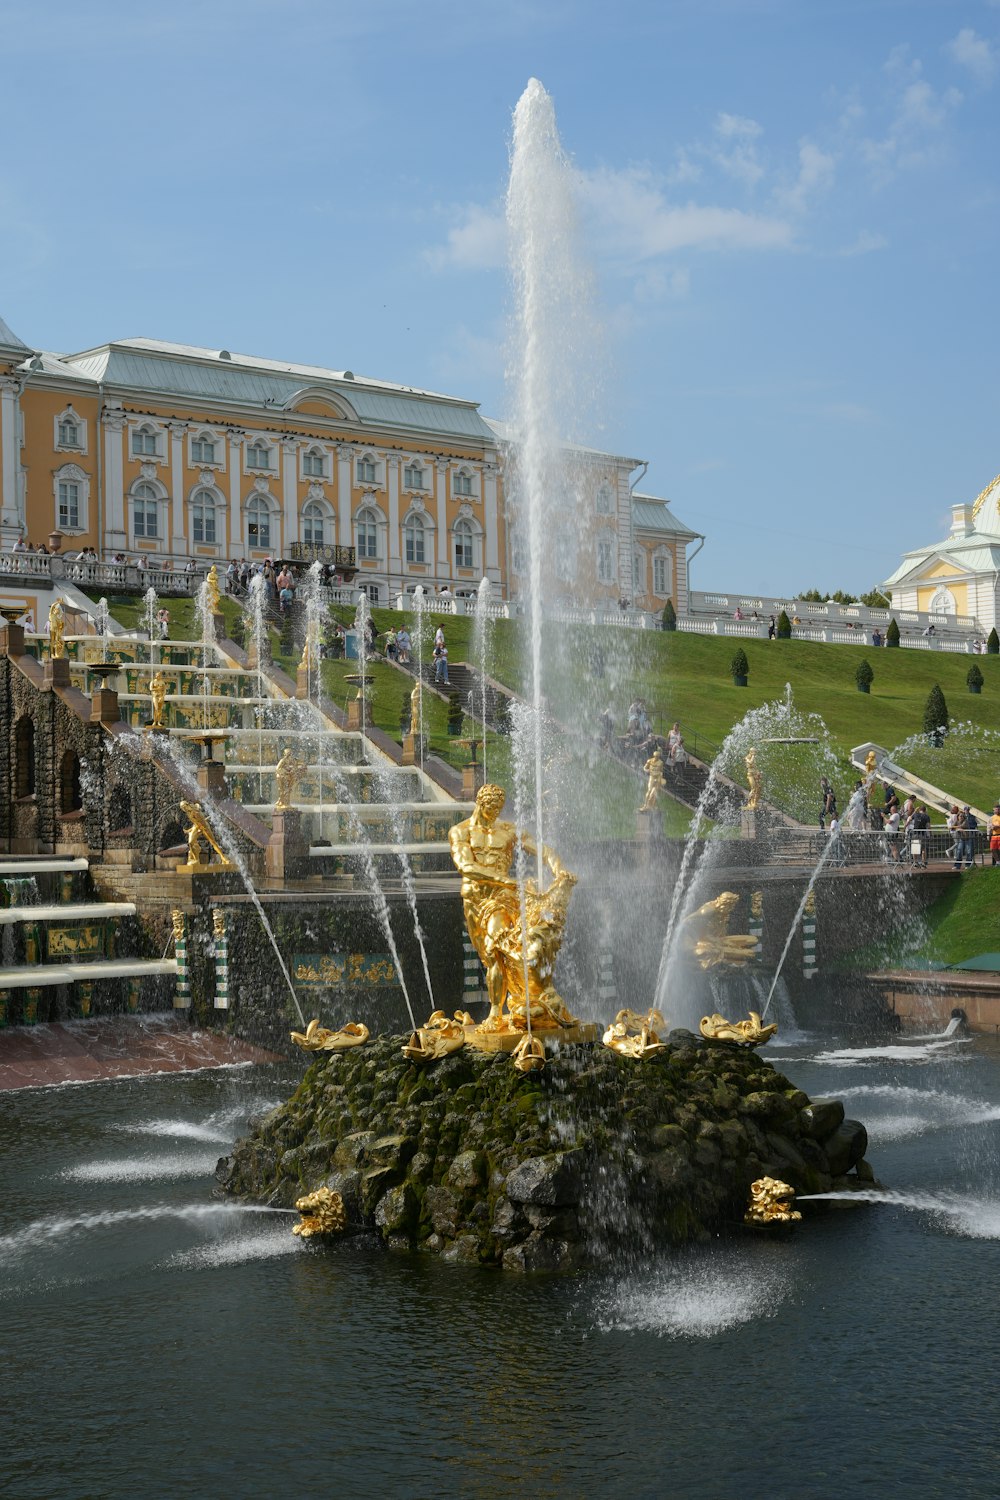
x=322, y=1213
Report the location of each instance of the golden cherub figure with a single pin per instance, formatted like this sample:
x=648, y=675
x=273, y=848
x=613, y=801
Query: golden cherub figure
x=288, y=773
x=200, y=838
x=656, y=782
x=158, y=693
x=707, y=938
x=755, y=780
x=309, y=659
x=871, y=763
x=57, y=626
x=213, y=600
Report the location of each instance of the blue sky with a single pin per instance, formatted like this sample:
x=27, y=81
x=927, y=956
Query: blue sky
x=792, y=207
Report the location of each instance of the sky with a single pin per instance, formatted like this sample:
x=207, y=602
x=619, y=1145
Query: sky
x=790, y=206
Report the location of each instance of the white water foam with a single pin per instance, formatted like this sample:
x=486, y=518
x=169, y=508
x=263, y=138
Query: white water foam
x=141, y=1168
x=236, y=1250
x=42, y=1230
x=189, y=1130
x=695, y=1298
x=927, y=1052
x=975, y=1218
x=919, y=1110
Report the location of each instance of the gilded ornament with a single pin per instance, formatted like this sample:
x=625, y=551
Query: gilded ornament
x=213, y=600
x=656, y=782
x=757, y=904
x=635, y=1036
x=57, y=627
x=483, y=848
x=529, y=1054
x=200, y=840
x=288, y=773
x=317, y=1038
x=322, y=1213
x=218, y=922
x=177, y=921
x=771, y=1203
x=707, y=938
x=749, y=1033
x=158, y=693
x=438, y=1037
x=415, y=708
x=755, y=780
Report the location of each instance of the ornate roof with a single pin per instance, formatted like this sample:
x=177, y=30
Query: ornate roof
x=9, y=339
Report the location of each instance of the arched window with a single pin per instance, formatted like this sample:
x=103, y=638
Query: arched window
x=312, y=524
x=69, y=432
x=605, y=559
x=413, y=536
x=462, y=483
x=518, y=552
x=24, y=752
x=638, y=571
x=367, y=532
x=145, y=511
x=464, y=552
x=203, y=449
x=258, y=525
x=314, y=464
x=203, y=516
x=69, y=504
x=663, y=575
x=366, y=470
x=258, y=455
x=70, y=794
x=604, y=500
x=413, y=477
x=145, y=443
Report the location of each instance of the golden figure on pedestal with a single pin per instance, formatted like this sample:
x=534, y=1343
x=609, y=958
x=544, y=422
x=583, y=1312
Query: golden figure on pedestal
x=656, y=782
x=57, y=626
x=317, y=1038
x=635, y=1036
x=200, y=839
x=288, y=773
x=309, y=660
x=749, y=1033
x=707, y=938
x=415, y=709
x=322, y=1213
x=158, y=693
x=771, y=1203
x=871, y=763
x=213, y=600
x=755, y=780
x=483, y=848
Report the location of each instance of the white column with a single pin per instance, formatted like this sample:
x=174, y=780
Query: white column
x=491, y=523
x=10, y=513
x=394, y=563
x=444, y=566
x=178, y=532
x=345, y=456
x=115, y=537
x=626, y=581
x=289, y=491
x=237, y=541
x=681, y=579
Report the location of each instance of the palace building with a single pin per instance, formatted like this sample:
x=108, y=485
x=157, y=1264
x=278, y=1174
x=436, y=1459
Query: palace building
x=958, y=576
x=139, y=447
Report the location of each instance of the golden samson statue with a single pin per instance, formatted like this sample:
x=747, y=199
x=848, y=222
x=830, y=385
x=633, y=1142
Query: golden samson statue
x=519, y=957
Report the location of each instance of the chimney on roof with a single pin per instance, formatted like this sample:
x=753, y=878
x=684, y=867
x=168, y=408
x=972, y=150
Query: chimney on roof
x=961, y=520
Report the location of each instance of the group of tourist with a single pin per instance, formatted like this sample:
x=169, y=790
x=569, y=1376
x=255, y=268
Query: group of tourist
x=640, y=741
x=398, y=646
x=906, y=825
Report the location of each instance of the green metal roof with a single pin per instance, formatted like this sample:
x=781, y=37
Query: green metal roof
x=652, y=514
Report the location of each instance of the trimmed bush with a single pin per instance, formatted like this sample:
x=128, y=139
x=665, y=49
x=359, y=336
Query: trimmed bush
x=974, y=679
x=456, y=714
x=668, y=620
x=784, y=628
x=993, y=643
x=740, y=667
x=864, y=677
x=892, y=633
x=935, y=712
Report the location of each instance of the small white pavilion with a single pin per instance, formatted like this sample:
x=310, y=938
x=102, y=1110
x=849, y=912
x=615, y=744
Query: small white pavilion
x=960, y=576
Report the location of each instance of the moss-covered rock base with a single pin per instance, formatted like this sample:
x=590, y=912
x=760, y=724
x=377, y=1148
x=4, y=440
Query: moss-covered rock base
x=547, y=1171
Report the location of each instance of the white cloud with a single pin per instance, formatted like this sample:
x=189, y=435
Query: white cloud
x=815, y=175
x=975, y=53
x=734, y=149
x=865, y=244
x=920, y=115
x=477, y=242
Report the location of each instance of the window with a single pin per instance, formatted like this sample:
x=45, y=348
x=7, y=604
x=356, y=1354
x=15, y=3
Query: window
x=145, y=511
x=462, y=484
x=518, y=554
x=463, y=545
x=312, y=524
x=314, y=464
x=367, y=534
x=69, y=504
x=605, y=561
x=258, y=456
x=413, y=477
x=413, y=534
x=662, y=574
x=603, y=500
x=638, y=572
x=565, y=556
x=367, y=472
x=372, y=590
x=144, y=442
x=203, y=517
x=203, y=450
x=258, y=526
x=69, y=433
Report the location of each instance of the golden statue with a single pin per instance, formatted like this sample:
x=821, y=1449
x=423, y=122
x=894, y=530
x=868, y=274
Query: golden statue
x=708, y=938
x=288, y=773
x=656, y=783
x=177, y=922
x=317, y=1038
x=483, y=848
x=632, y=1035
x=529, y=1054
x=871, y=763
x=750, y=1033
x=200, y=839
x=436, y=1038
x=771, y=1202
x=415, y=709
x=322, y=1213
x=158, y=693
x=213, y=600
x=218, y=922
x=755, y=780
x=309, y=659
x=57, y=625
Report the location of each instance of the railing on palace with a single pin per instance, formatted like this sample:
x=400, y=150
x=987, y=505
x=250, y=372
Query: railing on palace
x=111, y=577
x=343, y=559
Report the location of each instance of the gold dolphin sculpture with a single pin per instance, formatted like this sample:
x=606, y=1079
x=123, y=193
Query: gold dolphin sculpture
x=438, y=1037
x=750, y=1033
x=317, y=1038
x=635, y=1036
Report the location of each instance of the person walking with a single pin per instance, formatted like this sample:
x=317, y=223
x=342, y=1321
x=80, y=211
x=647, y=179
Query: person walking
x=969, y=841
x=995, y=834
x=441, y=665
x=920, y=830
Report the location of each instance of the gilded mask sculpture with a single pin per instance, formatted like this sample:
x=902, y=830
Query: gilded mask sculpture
x=322, y=1213
x=771, y=1203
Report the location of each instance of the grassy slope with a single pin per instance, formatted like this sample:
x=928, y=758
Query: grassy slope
x=962, y=923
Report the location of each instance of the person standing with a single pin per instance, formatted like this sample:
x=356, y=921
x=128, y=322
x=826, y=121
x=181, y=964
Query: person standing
x=969, y=841
x=920, y=829
x=995, y=834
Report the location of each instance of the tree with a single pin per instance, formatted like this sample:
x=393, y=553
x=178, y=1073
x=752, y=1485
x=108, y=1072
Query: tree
x=993, y=643
x=811, y=596
x=740, y=667
x=784, y=631
x=974, y=679
x=864, y=676
x=840, y=597
x=669, y=617
x=875, y=599
x=935, y=712
x=892, y=633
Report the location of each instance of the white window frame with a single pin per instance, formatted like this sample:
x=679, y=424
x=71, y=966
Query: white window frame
x=411, y=536
x=72, y=474
x=368, y=516
x=69, y=415
x=259, y=502
x=148, y=432
x=463, y=528
x=215, y=503
x=640, y=571
x=518, y=552
x=311, y=455
x=363, y=478
x=605, y=547
x=663, y=560
x=411, y=467
x=259, y=445
x=463, y=485
x=206, y=435
x=150, y=496
x=604, y=499
x=324, y=512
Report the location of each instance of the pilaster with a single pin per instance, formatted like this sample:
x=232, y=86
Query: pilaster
x=178, y=530
x=345, y=457
x=289, y=491
x=115, y=537
x=395, y=563
x=443, y=564
x=237, y=541
x=491, y=523
x=11, y=517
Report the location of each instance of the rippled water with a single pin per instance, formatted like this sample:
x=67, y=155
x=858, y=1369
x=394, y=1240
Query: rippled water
x=157, y=1341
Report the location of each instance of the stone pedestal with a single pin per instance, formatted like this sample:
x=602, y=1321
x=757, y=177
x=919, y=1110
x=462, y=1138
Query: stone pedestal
x=212, y=778
x=356, y=707
x=649, y=835
x=472, y=780
x=104, y=706
x=411, y=750
x=55, y=673
x=11, y=640
x=286, y=853
x=302, y=682
x=219, y=627
x=748, y=823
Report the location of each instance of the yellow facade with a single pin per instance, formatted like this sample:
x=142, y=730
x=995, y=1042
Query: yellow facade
x=959, y=592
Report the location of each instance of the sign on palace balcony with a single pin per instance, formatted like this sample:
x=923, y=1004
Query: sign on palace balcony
x=341, y=558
